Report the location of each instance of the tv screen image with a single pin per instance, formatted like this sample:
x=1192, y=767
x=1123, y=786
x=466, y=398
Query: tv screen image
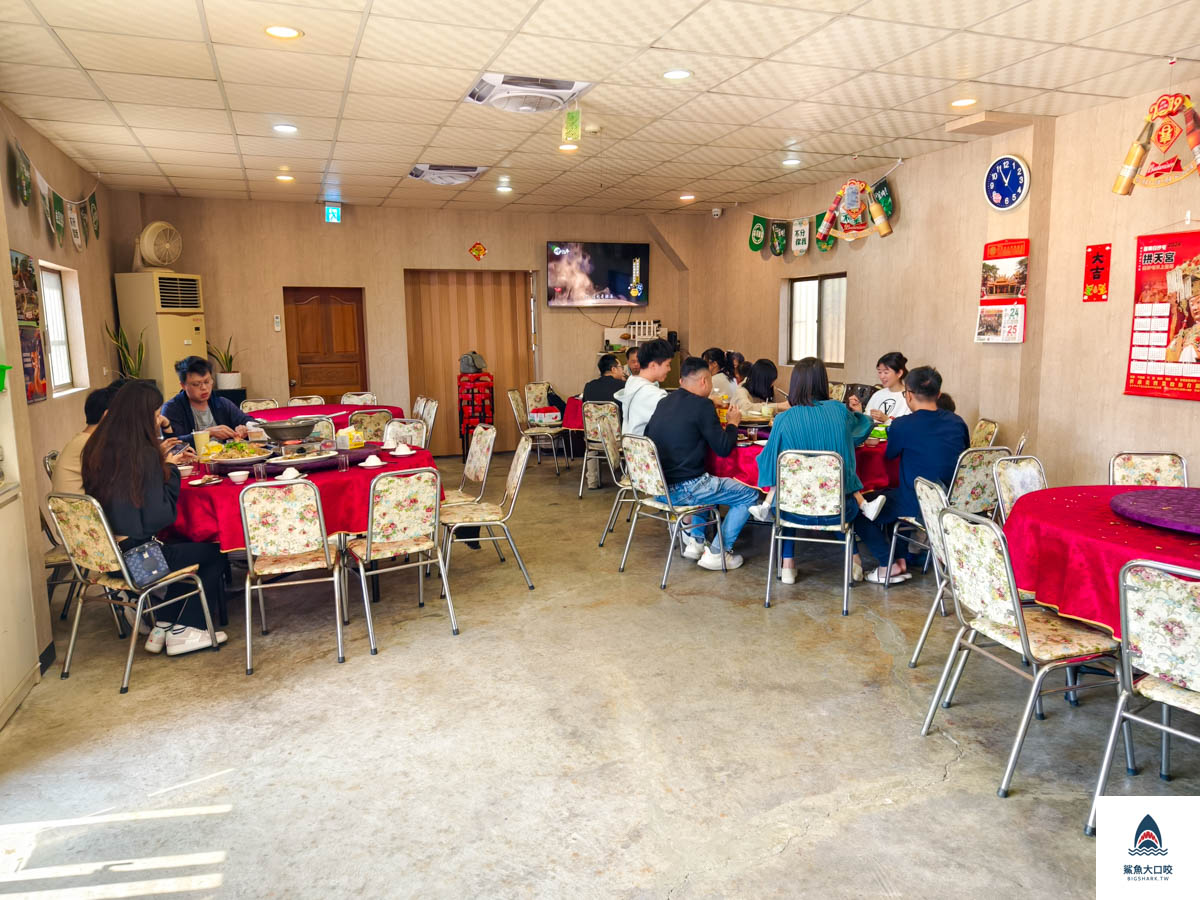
x=597, y=274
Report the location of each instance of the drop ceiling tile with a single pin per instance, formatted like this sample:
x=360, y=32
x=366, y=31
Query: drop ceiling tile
x=649, y=150
x=941, y=134
x=898, y=123
x=476, y=206
x=286, y=147
x=99, y=153
x=193, y=157
x=540, y=161
x=726, y=156
x=836, y=142
x=757, y=137
x=773, y=165
x=202, y=194
x=78, y=131
x=157, y=90
x=377, y=76
x=413, y=203
x=807, y=116
x=548, y=143
x=256, y=175
x=352, y=5
x=472, y=115
x=501, y=13
x=787, y=80
x=656, y=204
x=964, y=55
x=285, y=198
x=612, y=126
x=826, y=48
x=279, y=67
x=45, y=80
x=137, y=181
x=262, y=125
x=727, y=109
x=707, y=71
x=1147, y=76
x=186, y=140
x=683, y=171
x=740, y=29
x=61, y=109
x=283, y=100
x=682, y=132
x=845, y=165
x=1062, y=66
x=614, y=22
x=719, y=185
x=16, y=11
x=614, y=169
x=628, y=100
x=429, y=43
x=185, y=171
x=387, y=182
x=545, y=57
x=174, y=118
x=397, y=109
x=138, y=55
x=1065, y=21
x=911, y=147
x=1159, y=33
x=944, y=13
x=989, y=96
x=363, y=132
x=531, y=209
x=284, y=163
x=368, y=167
x=178, y=18
x=1056, y=103
x=124, y=167
x=209, y=184
x=403, y=154
x=408, y=186
x=520, y=179
x=32, y=44
x=243, y=22
x=882, y=90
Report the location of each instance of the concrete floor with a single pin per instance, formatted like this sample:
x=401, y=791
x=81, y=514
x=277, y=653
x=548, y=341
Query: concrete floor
x=595, y=737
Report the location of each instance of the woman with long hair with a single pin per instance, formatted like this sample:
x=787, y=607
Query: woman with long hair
x=127, y=468
x=722, y=372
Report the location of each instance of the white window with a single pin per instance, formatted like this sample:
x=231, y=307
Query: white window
x=818, y=319
x=54, y=310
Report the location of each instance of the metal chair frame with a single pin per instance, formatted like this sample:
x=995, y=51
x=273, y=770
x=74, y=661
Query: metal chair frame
x=424, y=444
x=367, y=411
x=960, y=503
x=1021, y=443
x=429, y=411
x=1003, y=504
x=992, y=439
x=359, y=398
x=63, y=574
x=1168, y=453
x=254, y=404
x=592, y=449
x=487, y=466
x=553, y=437
x=306, y=400
x=418, y=406
x=111, y=596
x=939, y=574
x=330, y=430
x=625, y=492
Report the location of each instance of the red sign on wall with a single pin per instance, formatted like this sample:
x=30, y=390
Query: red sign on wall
x=1096, y=264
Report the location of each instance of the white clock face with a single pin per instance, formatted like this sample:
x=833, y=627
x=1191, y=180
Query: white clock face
x=1006, y=183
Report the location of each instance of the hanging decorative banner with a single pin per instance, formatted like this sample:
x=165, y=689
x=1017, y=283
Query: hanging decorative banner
x=24, y=177
x=1164, y=351
x=73, y=224
x=94, y=214
x=477, y=250
x=824, y=244
x=571, y=130
x=826, y=222
x=1161, y=129
x=83, y=221
x=758, y=233
x=1002, y=292
x=44, y=195
x=882, y=192
x=852, y=218
x=60, y=218
x=800, y=236
x=1096, y=264
x=779, y=238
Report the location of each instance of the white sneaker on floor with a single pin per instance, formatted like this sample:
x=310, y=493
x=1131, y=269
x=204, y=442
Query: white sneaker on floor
x=871, y=508
x=788, y=575
x=157, y=638
x=762, y=512
x=692, y=548
x=185, y=639
x=856, y=572
x=142, y=627
x=876, y=576
x=712, y=561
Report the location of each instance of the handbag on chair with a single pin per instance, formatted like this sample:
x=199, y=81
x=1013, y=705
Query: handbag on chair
x=146, y=563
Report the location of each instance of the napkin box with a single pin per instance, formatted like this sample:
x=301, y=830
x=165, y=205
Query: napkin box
x=545, y=415
x=350, y=439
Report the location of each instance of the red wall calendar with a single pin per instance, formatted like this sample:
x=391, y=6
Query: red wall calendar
x=1164, y=349
x=1001, y=318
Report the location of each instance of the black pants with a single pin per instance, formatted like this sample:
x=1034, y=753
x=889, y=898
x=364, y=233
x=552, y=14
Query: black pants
x=212, y=569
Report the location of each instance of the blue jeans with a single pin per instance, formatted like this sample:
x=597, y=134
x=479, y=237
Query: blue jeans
x=789, y=547
x=709, y=490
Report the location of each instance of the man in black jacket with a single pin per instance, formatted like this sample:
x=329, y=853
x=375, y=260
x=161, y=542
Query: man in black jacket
x=195, y=408
x=602, y=389
x=684, y=427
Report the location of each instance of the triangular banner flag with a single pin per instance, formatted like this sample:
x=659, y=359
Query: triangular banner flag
x=74, y=225
x=824, y=244
x=44, y=194
x=94, y=214
x=883, y=195
x=758, y=233
x=60, y=218
x=24, y=178
x=800, y=236
x=779, y=238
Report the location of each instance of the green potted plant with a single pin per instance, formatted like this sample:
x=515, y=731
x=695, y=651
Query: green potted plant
x=130, y=360
x=228, y=378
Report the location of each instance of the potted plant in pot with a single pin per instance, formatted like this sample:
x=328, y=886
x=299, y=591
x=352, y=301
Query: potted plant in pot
x=129, y=359
x=228, y=379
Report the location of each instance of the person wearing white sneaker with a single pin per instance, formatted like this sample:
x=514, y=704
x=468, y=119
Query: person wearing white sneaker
x=185, y=639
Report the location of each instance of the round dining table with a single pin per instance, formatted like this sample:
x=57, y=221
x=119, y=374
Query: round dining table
x=1068, y=546
x=339, y=412
x=876, y=472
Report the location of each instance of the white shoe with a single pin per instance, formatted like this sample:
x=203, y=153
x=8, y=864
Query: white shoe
x=876, y=576
x=871, y=508
x=142, y=627
x=856, y=572
x=712, y=561
x=788, y=575
x=762, y=512
x=158, y=637
x=185, y=639
x=692, y=548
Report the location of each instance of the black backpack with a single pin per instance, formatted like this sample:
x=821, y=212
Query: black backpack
x=471, y=363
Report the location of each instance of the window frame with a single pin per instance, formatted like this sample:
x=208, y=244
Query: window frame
x=56, y=387
x=792, y=358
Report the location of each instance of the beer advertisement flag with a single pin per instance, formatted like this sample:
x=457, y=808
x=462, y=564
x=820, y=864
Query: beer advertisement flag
x=24, y=177
x=44, y=195
x=74, y=224
x=800, y=236
x=758, y=233
x=60, y=217
x=94, y=214
x=882, y=193
x=1001, y=318
x=779, y=238
x=1164, y=349
x=1096, y=264
x=824, y=244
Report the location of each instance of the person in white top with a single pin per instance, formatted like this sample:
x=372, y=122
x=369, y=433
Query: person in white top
x=888, y=402
x=722, y=380
x=641, y=393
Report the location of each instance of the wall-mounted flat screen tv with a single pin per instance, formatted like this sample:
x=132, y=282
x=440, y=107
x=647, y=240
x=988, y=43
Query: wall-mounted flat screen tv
x=595, y=274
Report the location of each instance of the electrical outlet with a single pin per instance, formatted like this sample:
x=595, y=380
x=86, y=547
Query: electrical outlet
x=278, y=324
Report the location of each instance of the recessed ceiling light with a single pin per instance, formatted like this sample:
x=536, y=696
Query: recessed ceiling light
x=284, y=128
x=284, y=32
x=285, y=177
x=965, y=101
x=687, y=196
x=568, y=147
x=504, y=188
x=791, y=161
x=677, y=74
x=525, y=109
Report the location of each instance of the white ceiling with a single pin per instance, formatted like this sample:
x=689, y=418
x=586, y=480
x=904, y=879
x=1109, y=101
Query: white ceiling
x=179, y=96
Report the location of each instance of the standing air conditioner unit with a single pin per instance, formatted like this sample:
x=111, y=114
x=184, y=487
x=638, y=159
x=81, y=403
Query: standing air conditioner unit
x=167, y=309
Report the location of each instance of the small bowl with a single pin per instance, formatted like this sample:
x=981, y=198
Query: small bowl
x=185, y=471
x=238, y=477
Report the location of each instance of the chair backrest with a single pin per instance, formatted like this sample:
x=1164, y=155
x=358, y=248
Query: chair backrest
x=810, y=483
x=862, y=391
x=537, y=394
x=980, y=571
x=1161, y=468
x=85, y=533
x=595, y=411
x=404, y=506
x=418, y=405
x=406, y=431
x=49, y=461
x=610, y=438
x=1021, y=443
x=642, y=466
x=1015, y=477
x=1160, y=622
x=837, y=391
x=516, y=472
x=479, y=456
x=308, y=400
x=984, y=433
x=931, y=497
x=248, y=406
x=973, y=489
x=371, y=421
x=322, y=425
x=518, y=407
x=359, y=398
x=429, y=414
x=283, y=518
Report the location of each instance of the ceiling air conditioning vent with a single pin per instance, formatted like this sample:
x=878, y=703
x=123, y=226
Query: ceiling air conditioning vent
x=446, y=174
x=522, y=94
x=178, y=292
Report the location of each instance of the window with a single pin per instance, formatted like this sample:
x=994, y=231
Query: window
x=54, y=309
x=817, y=315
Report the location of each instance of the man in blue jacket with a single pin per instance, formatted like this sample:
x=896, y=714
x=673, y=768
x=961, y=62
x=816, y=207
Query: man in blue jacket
x=195, y=408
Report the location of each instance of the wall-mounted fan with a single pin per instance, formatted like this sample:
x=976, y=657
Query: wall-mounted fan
x=157, y=247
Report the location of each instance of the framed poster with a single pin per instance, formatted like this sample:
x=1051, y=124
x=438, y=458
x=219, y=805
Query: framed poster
x=33, y=361
x=1001, y=318
x=1164, y=346
x=25, y=287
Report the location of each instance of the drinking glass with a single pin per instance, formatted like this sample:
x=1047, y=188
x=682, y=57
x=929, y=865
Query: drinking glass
x=752, y=433
x=260, y=471
x=343, y=462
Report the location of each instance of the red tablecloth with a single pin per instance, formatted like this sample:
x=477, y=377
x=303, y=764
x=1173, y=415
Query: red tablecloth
x=212, y=514
x=875, y=472
x=339, y=412
x=573, y=416
x=1068, y=547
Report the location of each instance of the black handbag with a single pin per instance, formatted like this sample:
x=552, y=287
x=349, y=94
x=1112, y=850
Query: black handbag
x=146, y=563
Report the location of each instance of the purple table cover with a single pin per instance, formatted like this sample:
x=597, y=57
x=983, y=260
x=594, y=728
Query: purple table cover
x=1175, y=508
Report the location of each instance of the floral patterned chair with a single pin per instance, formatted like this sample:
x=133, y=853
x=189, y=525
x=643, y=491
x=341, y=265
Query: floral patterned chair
x=611, y=442
x=407, y=431
x=249, y=406
x=931, y=497
x=548, y=436
x=428, y=415
x=97, y=562
x=537, y=394
x=594, y=411
x=987, y=604
x=306, y=400
x=322, y=425
x=837, y=391
x=490, y=515
x=1160, y=635
x=419, y=406
x=973, y=489
x=1024, y=439
x=810, y=483
x=359, y=398
x=1015, y=477
x=476, y=468
x=284, y=526
x=372, y=422
x=402, y=530
x=648, y=485
x=1162, y=469
x=56, y=561
x=984, y=433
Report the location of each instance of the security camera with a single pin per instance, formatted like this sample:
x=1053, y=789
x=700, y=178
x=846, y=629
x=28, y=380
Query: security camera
x=716, y=212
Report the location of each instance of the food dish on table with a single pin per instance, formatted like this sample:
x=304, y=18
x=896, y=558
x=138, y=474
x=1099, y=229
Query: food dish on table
x=205, y=481
x=305, y=458
x=236, y=451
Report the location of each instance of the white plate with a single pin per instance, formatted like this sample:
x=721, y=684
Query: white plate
x=759, y=443
x=282, y=477
x=301, y=463
x=196, y=482
x=405, y=451
x=367, y=465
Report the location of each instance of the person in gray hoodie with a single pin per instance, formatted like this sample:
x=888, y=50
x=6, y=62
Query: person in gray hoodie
x=641, y=393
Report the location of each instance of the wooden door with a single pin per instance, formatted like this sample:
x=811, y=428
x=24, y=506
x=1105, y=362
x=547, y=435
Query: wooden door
x=451, y=312
x=326, y=349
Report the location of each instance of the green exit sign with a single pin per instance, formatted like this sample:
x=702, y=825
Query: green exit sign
x=333, y=212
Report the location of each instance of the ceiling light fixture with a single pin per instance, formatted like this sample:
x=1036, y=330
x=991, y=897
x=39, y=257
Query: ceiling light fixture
x=568, y=147
x=965, y=101
x=284, y=32
x=283, y=128
x=687, y=196
x=504, y=188
x=677, y=74
x=285, y=177
x=791, y=161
